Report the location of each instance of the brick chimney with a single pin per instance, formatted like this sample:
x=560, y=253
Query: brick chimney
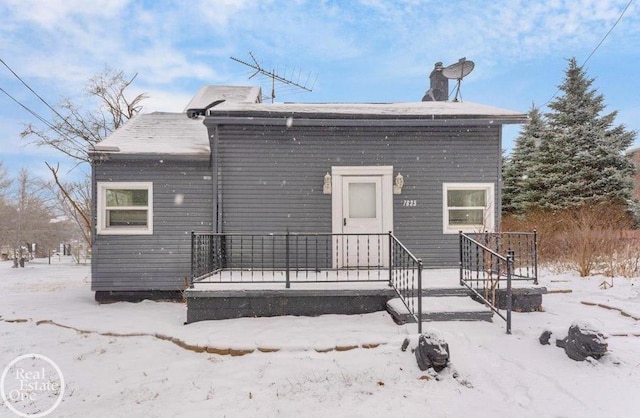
x=439, y=86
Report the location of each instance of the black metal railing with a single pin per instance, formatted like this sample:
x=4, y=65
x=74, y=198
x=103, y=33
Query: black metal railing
x=288, y=257
x=485, y=272
x=405, y=276
x=309, y=258
x=524, y=246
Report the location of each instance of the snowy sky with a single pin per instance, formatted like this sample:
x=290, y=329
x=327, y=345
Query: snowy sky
x=360, y=51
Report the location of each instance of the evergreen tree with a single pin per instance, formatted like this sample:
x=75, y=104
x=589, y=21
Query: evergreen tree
x=520, y=168
x=581, y=158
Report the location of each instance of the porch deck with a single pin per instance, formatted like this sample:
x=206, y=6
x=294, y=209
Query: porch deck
x=321, y=280
x=236, y=275
x=227, y=295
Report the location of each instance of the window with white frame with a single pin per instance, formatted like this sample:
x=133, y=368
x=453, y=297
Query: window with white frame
x=125, y=208
x=468, y=207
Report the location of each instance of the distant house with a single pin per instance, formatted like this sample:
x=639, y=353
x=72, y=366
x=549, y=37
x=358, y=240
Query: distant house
x=232, y=164
x=634, y=155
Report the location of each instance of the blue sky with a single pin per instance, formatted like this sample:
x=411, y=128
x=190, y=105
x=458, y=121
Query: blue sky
x=360, y=51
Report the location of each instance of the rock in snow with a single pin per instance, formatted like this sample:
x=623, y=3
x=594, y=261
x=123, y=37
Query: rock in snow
x=583, y=342
x=545, y=337
x=432, y=352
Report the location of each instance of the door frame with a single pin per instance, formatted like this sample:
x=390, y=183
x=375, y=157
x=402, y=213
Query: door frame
x=386, y=189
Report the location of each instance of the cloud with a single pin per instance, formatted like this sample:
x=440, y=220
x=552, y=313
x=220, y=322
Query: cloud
x=219, y=13
x=163, y=101
x=55, y=13
x=498, y=36
x=161, y=64
x=157, y=40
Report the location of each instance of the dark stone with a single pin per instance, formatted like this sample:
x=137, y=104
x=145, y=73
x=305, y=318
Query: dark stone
x=103, y=296
x=405, y=344
x=582, y=342
x=545, y=337
x=212, y=305
x=432, y=352
x=522, y=299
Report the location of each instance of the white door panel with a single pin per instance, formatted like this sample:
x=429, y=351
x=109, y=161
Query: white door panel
x=362, y=215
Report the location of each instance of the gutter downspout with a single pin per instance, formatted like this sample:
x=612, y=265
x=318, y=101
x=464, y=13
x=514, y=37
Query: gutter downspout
x=498, y=192
x=215, y=177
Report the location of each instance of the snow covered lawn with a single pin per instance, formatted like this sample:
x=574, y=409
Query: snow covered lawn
x=129, y=359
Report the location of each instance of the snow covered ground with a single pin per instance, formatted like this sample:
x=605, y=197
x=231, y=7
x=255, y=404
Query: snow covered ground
x=129, y=359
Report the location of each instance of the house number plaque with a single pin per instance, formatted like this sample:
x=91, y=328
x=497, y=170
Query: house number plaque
x=409, y=203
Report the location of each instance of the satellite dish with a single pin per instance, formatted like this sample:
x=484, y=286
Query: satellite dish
x=459, y=70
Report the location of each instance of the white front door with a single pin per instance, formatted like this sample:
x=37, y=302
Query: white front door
x=362, y=212
x=361, y=215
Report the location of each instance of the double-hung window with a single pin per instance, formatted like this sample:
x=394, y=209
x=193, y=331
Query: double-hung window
x=468, y=207
x=125, y=208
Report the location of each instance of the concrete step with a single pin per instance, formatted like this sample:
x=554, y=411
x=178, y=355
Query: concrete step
x=441, y=308
x=446, y=291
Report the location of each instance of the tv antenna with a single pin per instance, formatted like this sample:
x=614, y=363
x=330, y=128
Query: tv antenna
x=458, y=71
x=275, y=76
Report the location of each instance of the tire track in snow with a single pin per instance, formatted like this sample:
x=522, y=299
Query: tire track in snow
x=234, y=352
x=611, y=308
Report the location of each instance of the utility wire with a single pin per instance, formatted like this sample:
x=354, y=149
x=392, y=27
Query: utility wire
x=50, y=125
x=607, y=34
x=40, y=118
x=43, y=120
x=597, y=46
x=37, y=116
x=33, y=91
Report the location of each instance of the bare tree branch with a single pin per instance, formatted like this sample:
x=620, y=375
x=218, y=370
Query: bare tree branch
x=79, y=213
x=74, y=131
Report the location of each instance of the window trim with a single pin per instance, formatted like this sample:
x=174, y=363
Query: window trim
x=101, y=216
x=489, y=209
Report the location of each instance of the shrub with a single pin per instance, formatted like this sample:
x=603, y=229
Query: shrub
x=588, y=239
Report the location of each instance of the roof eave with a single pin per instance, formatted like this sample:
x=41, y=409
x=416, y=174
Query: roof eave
x=102, y=156
x=432, y=120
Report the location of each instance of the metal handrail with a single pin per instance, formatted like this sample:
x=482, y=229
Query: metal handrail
x=293, y=253
x=304, y=257
x=524, y=246
x=485, y=252
x=406, y=280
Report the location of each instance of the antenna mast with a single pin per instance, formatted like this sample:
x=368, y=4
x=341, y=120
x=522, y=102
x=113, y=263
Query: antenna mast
x=274, y=76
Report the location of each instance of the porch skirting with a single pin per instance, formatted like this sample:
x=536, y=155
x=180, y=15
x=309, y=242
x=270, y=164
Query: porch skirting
x=225, y=304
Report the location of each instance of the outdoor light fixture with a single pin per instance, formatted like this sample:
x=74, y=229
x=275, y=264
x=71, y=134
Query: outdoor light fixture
x=326, y=188
x=397, y=185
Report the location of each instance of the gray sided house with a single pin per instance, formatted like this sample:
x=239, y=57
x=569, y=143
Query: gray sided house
x=231, y=164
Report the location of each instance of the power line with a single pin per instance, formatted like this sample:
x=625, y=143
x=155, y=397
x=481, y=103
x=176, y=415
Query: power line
x=37, y=116
x=51, y=126
x=41, y=119
x=599, y=44
x=32, y=90
x=56, y=129
x=607, y=34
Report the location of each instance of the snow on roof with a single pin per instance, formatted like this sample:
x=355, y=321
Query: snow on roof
x=237, y=94
x=158, y=133
x=175, y=134
x=435, y=110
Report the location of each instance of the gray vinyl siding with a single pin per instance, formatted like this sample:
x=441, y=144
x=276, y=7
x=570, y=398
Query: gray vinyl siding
x=271, y=177
x=160, y=261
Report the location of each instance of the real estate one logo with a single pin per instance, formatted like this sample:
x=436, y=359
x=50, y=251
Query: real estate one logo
x=32, y=385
